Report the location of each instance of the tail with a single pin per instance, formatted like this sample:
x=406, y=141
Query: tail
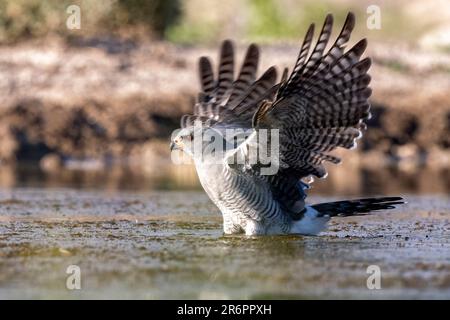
x=356, y=207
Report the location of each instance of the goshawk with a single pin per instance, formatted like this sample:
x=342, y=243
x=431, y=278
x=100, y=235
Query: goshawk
x=295, y=122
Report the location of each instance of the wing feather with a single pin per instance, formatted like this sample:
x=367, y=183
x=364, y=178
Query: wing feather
x=206, y=75
x=226, y=70
x=304, y=50
x=247, y=75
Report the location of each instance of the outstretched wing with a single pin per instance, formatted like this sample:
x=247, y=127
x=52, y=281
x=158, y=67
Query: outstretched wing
x=227, y=100
x=321, y=106
x=323, y=103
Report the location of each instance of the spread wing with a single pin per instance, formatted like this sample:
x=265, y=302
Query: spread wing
x=228, y=101
x=322, y=105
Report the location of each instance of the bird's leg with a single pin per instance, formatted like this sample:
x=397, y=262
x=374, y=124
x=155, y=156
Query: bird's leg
x=253, y=228
x=229, y=226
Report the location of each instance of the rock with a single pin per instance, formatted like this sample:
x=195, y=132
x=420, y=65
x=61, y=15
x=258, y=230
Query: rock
x=50, y=162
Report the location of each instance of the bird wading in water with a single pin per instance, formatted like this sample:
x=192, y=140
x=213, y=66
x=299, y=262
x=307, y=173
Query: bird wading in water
x=296, y=121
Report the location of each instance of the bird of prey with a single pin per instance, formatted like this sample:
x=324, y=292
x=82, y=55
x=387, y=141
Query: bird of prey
x=320, y=106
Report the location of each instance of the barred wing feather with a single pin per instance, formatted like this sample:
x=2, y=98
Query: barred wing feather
x=323, y=104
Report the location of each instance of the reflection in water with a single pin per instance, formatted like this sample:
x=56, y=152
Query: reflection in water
x=388, y=181
x=341, y=180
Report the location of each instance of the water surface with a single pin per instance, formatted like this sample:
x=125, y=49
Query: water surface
x=169, y=244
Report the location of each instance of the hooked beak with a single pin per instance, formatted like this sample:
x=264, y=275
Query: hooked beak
x=173, y=146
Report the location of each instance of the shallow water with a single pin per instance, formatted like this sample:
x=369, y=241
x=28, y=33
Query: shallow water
x=169, y=244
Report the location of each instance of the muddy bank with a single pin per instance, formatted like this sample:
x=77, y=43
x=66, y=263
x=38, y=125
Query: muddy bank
x=170, y=245
x=86, y=101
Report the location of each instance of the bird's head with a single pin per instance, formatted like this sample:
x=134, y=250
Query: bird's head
x=183, y=140
x=199, y=142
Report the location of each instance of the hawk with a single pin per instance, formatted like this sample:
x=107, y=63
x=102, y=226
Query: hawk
x=320, y=106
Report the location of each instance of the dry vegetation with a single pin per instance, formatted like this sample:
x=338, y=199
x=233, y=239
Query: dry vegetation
x=85, y=102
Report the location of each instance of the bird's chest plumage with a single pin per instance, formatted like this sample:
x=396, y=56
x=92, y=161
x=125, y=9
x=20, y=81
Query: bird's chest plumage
x=241, y=198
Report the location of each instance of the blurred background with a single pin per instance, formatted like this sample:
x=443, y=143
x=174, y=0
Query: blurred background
x=94, y=107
